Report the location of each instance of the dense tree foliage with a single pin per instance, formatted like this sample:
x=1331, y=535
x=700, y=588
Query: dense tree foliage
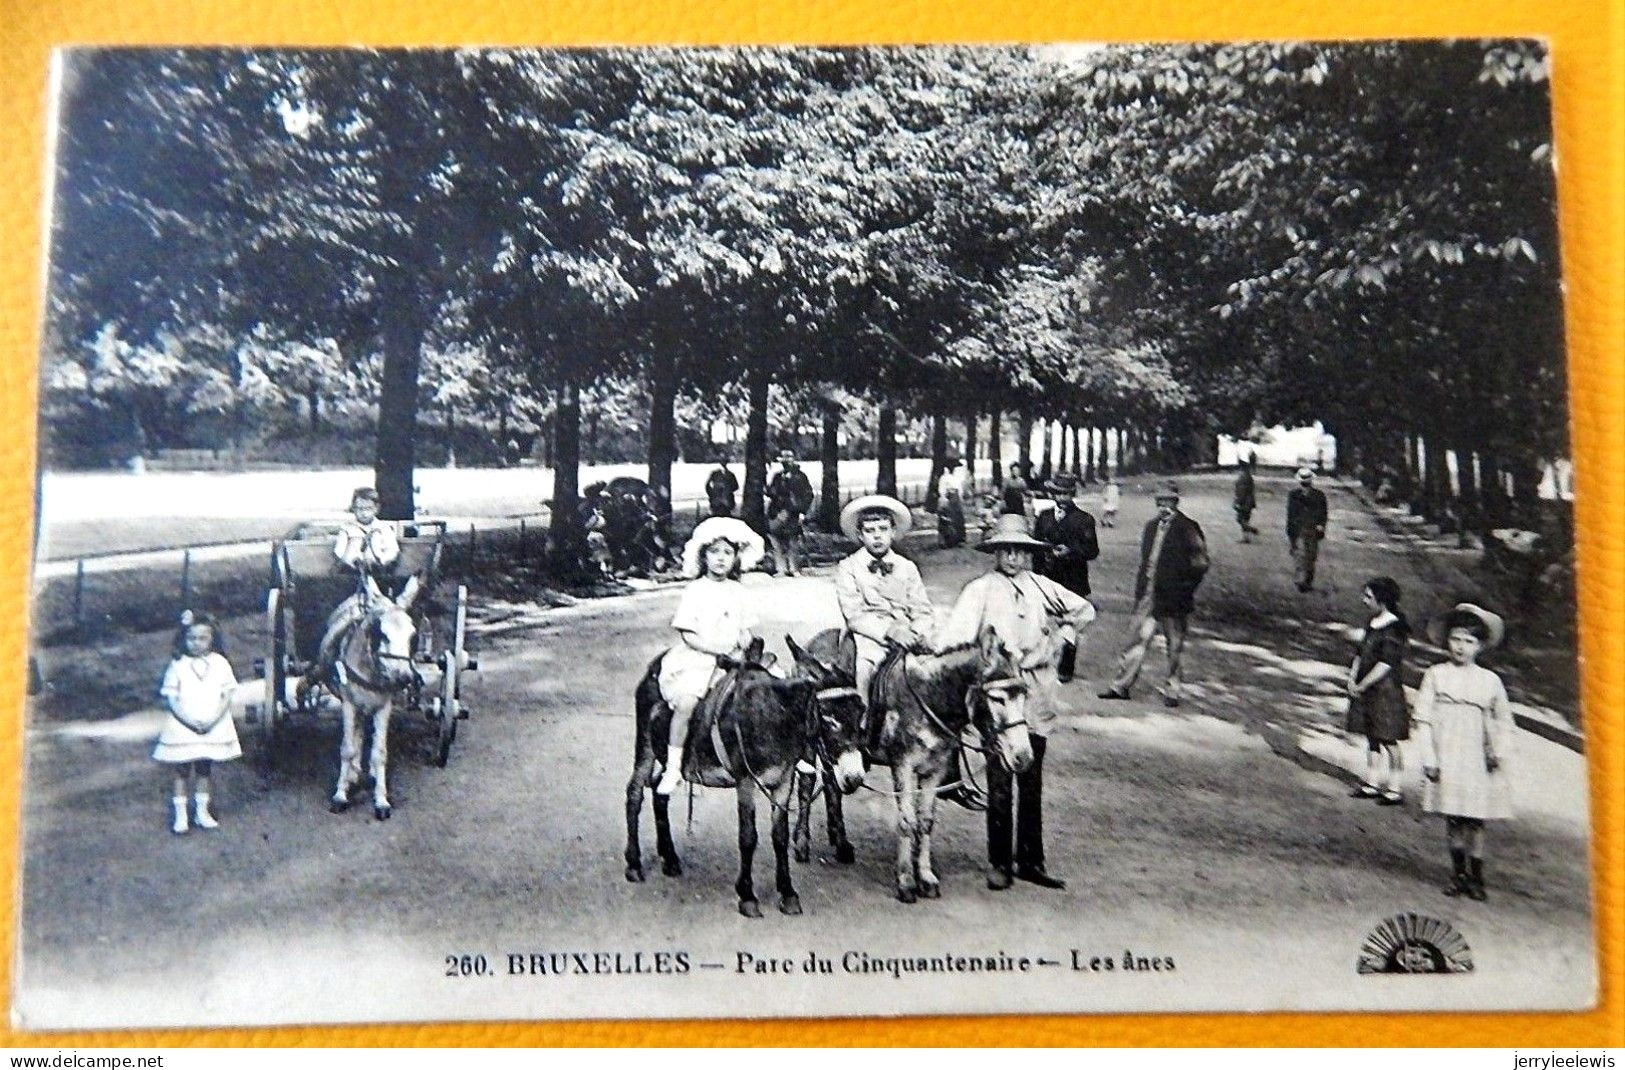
x=1135, y=248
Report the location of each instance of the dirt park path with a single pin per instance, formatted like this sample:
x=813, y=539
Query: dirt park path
x=1217, y=837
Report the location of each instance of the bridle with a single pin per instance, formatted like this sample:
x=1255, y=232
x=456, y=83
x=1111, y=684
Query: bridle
x=372, y=624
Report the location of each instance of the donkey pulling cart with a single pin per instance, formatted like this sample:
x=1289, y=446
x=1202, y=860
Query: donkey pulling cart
x=307, y=583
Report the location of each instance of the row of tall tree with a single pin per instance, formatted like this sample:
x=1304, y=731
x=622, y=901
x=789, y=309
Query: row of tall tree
x=1165, y=242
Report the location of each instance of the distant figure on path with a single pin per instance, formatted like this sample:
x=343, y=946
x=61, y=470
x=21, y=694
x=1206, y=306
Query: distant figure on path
x=1246, y=499
x=720, y=487
x=1376, y=688
x=1173, y=561
x=951, y=503
x=1305, y=527
x=789, y=498
x=1111, y=496
x=1017, y=490
x=1466, y=728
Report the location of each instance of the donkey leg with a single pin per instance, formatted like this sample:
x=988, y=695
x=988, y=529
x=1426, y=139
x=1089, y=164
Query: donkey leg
x=379, y=762
x=835, y=820
x=903, y=782
x=930, y=886
x=805, y=784
x=634, y=812
x=789, y=901
x=349, y=758
x=745, y=795
x=670, y=864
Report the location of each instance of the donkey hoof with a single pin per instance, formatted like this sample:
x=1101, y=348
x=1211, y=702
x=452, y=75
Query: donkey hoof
x=749, y=908
x=791, y=905
x=634, y=874
x=381, y=812
x=930, y=890
x=671, y=867
x=906, y=895
x=338, y=806
x=845, y=855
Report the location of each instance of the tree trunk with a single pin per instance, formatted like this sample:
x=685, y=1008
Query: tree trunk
x=565, y=539
x=1492, y=492
x=1437, y=494
x=1024, y=442
x=662, y=420
x=395, y=458
x=939, y=458
x=313, y=405
x=753, y=509
x=451, y=436
x=1467, y=506
x=886, y=451
x=995, y=448
x=829, y=457
x=1088, y=454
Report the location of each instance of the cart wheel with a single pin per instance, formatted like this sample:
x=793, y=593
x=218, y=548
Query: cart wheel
x=276, y=669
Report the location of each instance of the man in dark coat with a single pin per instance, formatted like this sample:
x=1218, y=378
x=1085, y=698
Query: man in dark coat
x=1305, y=527
x=720, y=487
x=1173, y=560
x=789, y=498
x=1246, y=499
x=1071, y=530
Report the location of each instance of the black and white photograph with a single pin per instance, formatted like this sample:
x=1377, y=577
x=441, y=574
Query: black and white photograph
x=764, y=532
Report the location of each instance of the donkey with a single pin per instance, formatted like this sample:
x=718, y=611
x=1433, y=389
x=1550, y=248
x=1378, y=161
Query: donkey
x=763, y=726
x=921, y=704
x=374, y=667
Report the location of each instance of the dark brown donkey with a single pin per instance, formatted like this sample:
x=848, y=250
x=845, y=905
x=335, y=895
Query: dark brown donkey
x=763, y=725
x=924, y=702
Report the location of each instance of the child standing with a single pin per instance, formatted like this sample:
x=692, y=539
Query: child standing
x=1465, y=723
x=1110, y=498
x=1376, y=689
x=197, y=689
x=713, y=620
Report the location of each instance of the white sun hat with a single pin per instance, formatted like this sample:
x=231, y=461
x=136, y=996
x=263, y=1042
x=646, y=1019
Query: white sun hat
x=745, y=540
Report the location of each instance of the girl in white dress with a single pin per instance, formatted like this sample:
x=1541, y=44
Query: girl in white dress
x=1466, y=729
x=197, y=689
x=713, y=619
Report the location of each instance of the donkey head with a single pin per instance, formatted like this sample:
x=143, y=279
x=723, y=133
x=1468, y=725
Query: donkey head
x=390, y=633
x=837, y=713
x=1000, y=696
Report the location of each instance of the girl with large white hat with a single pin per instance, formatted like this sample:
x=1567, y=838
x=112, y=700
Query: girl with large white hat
x=714, y=619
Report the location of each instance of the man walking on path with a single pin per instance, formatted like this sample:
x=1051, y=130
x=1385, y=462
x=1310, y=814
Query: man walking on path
x=1305, y=527
x=1173, y=560
x=1027, y=612
x=789, y=498
x=1071, y=530
x=720, y=487
x=1246, y=499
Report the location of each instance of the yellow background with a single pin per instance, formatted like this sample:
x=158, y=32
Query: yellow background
x=1588, y=43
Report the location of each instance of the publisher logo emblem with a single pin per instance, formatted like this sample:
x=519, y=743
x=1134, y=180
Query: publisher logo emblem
x=1415, y=943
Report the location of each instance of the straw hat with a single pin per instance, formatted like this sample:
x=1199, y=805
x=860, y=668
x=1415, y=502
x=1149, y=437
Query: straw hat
x=1306, y=475
x=1012, y=529
x=1493, y=625
x=1169, y=491
x=902, y=519
x=747, y=542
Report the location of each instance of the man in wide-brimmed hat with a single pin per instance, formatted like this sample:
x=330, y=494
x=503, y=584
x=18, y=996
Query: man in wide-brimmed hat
x=1071, y=531
x=1028, y=612
x=951, y=502
x=1173, y=560
x=881, y=595
x=1305, y=527
x=789, y=498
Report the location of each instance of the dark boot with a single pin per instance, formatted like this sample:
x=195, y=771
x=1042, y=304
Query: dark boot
x=1458, y=869
x=1069, y=662
x=1030, y=822
x=999, y=827
x=1475, y=880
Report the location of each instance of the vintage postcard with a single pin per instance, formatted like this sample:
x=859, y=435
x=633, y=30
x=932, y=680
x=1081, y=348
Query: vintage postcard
x=776, y=532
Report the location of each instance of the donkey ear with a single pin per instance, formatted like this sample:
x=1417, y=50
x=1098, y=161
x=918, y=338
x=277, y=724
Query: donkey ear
x=795, y=650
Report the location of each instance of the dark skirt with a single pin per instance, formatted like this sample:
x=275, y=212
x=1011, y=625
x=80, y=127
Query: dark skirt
x=1381, y=714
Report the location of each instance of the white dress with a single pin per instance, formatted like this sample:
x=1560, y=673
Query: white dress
x=717, y=614
x=196, y=687
x=1467, y=717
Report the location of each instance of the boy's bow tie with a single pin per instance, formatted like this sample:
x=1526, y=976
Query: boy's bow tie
x=881, y=567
